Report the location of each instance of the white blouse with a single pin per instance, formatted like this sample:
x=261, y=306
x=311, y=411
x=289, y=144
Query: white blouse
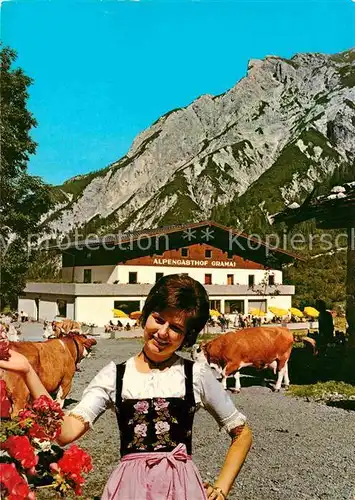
x=209, y=393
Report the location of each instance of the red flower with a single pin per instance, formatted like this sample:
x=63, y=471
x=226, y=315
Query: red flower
x=46, y=416
x=19, y=447
x=4, y=349
x=42, y=419
x=75, y=459
x=24, y=415
x=73, y=463
x=14, y=484
x=5, y=403
x=36, y=431
x=44, y=404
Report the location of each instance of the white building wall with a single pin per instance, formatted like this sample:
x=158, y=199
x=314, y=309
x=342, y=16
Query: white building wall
x=102, y=274
x=67, y=273
x=98, y=310
x=48, y=309
x=146, y=274
x=28, y=305
x=282, y=301
x=71, y=310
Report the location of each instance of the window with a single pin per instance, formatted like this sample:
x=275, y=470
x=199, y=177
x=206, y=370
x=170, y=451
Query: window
x=208, y=279
x=234, y=306
x=158, y=276
x=271, y=279
x=184, y=252
x=62, y=308
x=127, y=306
x=208, y=254
x=251, y=280
x=87, y=275
x=230, y=279
x=132, y=278
x=215, y=305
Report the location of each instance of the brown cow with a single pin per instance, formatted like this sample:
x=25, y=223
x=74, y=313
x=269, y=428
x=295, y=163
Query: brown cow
x=262, y=347
x=55, y=363
x=56, y=328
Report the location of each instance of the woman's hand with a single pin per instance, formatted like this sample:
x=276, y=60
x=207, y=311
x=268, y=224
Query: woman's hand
x=213, y=493
x=16, y=363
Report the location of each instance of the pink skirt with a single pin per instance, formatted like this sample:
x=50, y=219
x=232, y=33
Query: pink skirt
x=155, y=476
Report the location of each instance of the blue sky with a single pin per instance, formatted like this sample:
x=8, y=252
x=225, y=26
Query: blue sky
x=105, y=70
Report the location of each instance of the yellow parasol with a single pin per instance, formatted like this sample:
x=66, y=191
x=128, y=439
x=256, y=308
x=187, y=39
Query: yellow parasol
x=296, y=312
x=213, y=312
x=135, y=315
x=117, y=313
x=311, y=311
x=257, y=312
x=278, y=311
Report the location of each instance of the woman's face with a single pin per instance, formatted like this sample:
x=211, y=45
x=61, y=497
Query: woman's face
x=164, y=332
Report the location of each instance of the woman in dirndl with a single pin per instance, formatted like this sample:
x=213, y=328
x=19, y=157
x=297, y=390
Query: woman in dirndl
x=155, y=395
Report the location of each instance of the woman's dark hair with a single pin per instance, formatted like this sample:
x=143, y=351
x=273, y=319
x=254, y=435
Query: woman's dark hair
x=186, y=295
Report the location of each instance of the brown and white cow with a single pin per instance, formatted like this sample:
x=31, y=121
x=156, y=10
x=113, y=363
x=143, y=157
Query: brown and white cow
x=55, y=363
x=56, y=328
x=262, y=347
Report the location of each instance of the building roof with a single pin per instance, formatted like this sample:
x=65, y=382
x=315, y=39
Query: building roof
x=182, y=235
x=334, y=210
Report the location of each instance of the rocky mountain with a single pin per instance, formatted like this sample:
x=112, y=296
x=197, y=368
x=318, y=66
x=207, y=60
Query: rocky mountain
x=288, y=124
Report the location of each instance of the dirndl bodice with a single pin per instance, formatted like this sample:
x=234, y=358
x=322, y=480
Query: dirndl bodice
x=155, y=424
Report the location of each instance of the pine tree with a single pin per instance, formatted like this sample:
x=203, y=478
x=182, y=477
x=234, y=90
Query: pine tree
x=23, y=198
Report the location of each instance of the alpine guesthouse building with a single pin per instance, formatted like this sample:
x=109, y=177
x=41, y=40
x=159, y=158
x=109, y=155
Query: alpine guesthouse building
x=240, y=273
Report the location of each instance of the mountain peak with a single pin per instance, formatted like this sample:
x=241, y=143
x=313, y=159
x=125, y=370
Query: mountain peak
x=288, y=124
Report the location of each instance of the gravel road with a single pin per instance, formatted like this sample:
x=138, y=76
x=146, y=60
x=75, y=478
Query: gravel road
x=301, y=450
